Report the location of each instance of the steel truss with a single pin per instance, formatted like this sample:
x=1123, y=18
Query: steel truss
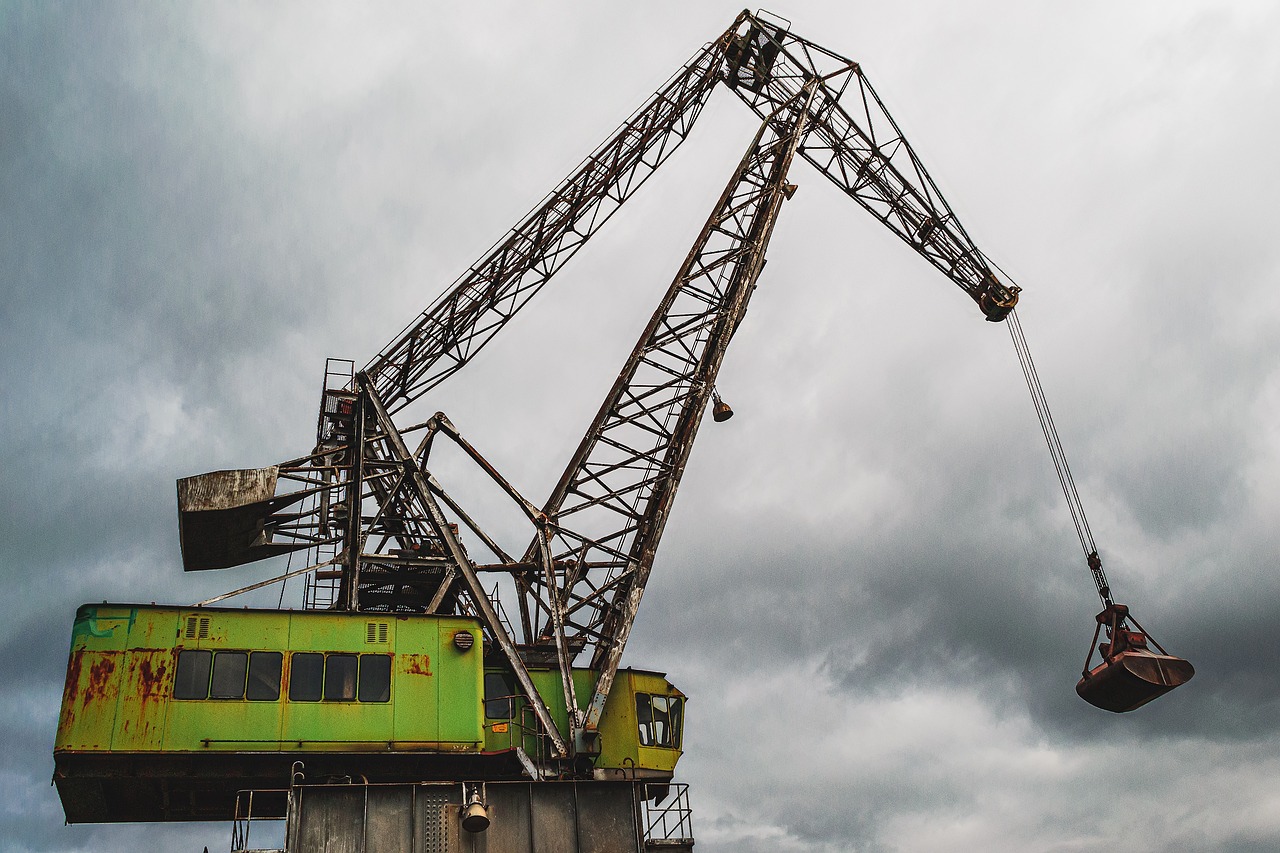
x=390, y=536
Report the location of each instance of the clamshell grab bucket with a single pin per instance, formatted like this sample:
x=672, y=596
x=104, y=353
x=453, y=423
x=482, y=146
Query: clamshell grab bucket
x=1131, y=674
x=1132, y=679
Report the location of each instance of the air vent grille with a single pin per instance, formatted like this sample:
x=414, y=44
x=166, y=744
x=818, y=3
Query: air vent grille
x=375, y=632
x=197, y=628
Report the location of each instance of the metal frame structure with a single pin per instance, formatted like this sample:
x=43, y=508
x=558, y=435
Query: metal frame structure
x=365, y=502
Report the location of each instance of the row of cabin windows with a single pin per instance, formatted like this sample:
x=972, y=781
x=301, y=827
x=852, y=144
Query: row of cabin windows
x=313, y=676
x=661, y=719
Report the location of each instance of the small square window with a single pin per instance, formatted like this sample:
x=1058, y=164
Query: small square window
x=375, y=678
x=228, y=675
x=264, y=676
x=306, y=676
x=191, y=681
x=340, y=678
x=499, y=690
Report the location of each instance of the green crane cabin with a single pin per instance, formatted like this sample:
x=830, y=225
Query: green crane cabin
x=168, y=712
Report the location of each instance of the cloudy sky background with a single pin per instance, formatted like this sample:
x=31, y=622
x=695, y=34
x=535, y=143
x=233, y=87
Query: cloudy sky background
x=870, y=588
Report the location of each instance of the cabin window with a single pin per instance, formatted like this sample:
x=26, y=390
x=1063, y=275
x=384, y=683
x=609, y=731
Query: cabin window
x=306, y=675
x=340, y=678
x=375, y=678
x=660, y=720
x=644, y=718
x=191, y=681
x=202, y=674
x=264, y=676
x=667, y=720
x=499, y=692
x=228, y=675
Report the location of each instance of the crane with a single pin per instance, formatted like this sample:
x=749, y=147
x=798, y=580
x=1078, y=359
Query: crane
x=388, y=539
x=580, y=581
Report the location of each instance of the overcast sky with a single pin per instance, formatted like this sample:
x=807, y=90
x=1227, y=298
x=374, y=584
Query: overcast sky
x=869, y=588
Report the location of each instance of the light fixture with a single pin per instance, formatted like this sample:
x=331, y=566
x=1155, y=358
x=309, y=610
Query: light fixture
x=720, y=412
x=475, y=817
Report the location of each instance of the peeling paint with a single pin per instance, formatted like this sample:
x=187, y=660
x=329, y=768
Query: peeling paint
x=417, y=664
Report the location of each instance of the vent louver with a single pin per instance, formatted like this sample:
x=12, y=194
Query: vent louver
x=375, y=632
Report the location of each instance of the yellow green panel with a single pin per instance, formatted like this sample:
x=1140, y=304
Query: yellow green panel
x=460, y=683
x=415, y=677
x=91, y=692
x=89, y=700
x=144, y=687
x=145, y=681
x=329, y=632
x=222, y=724
x=337, y=725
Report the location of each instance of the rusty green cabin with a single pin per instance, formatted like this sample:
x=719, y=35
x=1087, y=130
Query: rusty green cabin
x=168, y=711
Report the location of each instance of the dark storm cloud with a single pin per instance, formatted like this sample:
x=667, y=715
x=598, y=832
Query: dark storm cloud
x=138, y=259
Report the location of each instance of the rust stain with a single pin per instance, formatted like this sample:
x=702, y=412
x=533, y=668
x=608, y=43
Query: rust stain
x=80, y=691
x=152, y=679
x=153, y=690
x=74, y=666
x=67, y=721
x=145, y=691
x=99, y=677
x=417, y=664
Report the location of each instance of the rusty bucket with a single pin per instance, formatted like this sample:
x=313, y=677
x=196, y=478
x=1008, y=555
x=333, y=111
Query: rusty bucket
x=1130, y=674
x=1132, y=679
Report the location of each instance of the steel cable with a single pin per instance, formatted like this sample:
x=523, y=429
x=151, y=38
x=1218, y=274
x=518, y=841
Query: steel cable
x=1050, y=430
x=1056, y=452
x=1065, y=479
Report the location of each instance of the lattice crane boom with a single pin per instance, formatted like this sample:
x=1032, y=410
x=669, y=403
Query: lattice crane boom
x=869, y=159
x=854, y=142
x=368, y=501
x=628, y=466
x=491, y=291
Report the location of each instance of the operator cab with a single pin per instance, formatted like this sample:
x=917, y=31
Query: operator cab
x=641, y=728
